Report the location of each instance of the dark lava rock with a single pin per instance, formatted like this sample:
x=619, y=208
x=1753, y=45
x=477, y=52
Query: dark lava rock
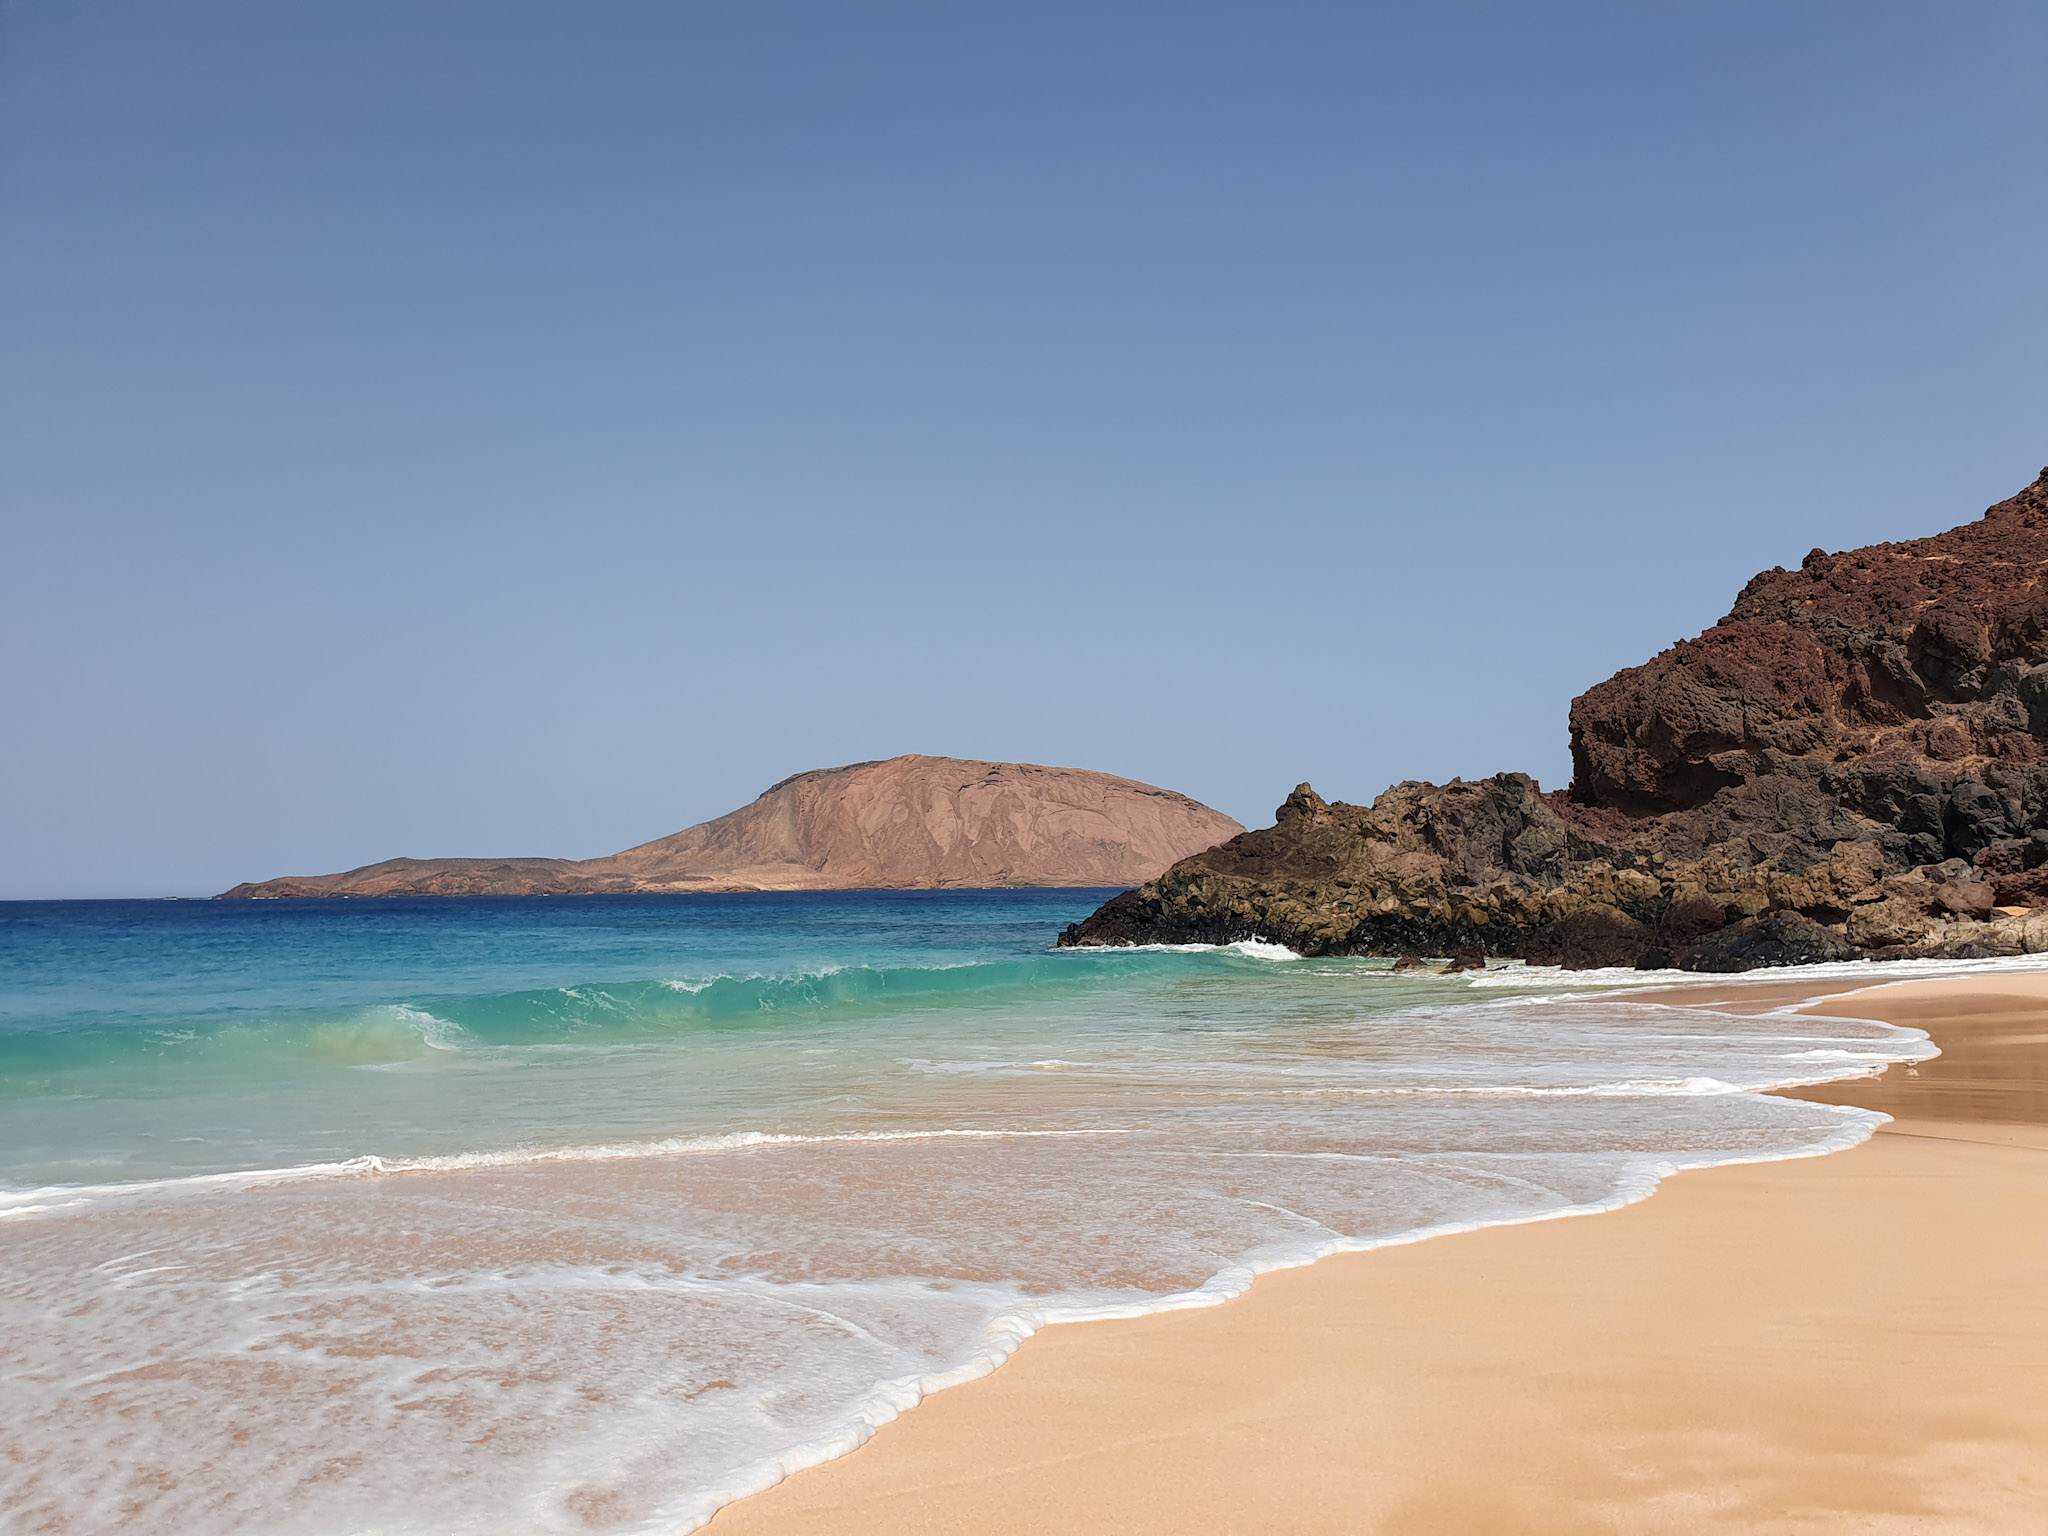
x=1590, y=938
x=1853, y=762
x=1776, y=938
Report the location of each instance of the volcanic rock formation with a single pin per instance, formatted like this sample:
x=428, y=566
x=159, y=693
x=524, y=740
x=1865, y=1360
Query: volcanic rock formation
x=1853, y=763
x=909, y=822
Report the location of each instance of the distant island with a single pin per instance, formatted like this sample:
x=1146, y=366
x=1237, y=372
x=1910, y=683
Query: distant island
x=904, y=823
x=1853, y=764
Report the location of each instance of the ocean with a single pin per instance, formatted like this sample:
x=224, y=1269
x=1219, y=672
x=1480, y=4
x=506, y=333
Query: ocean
x=590, y=1214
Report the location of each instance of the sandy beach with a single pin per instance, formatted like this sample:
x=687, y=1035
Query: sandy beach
x=1856, y=1343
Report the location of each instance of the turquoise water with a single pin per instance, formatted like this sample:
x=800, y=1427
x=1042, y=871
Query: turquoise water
x=590, y=1214
x=145, y=1038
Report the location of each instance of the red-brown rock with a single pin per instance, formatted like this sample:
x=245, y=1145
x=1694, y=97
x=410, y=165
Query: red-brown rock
x=909, y=822
x=1854, y=760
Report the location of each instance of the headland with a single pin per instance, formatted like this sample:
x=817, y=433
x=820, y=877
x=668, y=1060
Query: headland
x=1853, y=763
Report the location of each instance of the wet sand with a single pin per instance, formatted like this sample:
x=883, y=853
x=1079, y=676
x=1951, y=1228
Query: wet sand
x=1850, y=1343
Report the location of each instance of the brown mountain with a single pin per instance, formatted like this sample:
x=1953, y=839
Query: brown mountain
x=1854, y=762
x=907, y=823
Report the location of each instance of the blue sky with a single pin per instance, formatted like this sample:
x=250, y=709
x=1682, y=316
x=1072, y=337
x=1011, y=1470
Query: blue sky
x=507, y=428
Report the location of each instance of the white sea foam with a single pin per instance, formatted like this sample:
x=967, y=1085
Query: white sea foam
x=1250, y=949
x=26, y=1202
x=626, y=1333
x=692, y=985
x=1876, y=972
x=1001, y=1337
x=439, y=1034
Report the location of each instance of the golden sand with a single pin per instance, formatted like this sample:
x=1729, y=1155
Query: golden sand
x=1849, y=1343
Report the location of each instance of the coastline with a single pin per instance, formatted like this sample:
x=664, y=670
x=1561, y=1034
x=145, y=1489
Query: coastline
x=1845, y=1342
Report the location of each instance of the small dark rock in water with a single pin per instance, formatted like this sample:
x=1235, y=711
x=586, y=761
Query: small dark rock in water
x=1853, y=762
x=1471, y=958
x=1410, y=963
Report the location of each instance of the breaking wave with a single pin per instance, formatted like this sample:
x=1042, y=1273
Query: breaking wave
x=622, y=1011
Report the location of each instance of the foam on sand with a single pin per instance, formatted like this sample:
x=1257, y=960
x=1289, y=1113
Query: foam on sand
x=627, y=1334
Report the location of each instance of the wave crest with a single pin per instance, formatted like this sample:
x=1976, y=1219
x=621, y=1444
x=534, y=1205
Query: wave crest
x=594, y=1013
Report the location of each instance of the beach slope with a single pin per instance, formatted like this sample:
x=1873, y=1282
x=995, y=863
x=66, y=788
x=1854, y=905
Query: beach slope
x=1848, y=1343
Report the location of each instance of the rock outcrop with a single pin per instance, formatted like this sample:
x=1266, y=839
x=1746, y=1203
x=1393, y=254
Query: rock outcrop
x=1854, y=762
x=907, y=823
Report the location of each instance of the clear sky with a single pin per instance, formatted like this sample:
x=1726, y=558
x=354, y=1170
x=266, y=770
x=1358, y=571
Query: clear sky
x=470, y=428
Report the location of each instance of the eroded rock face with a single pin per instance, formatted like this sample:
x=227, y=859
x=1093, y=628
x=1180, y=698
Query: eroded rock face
x=906, y=823
x=1853, y=762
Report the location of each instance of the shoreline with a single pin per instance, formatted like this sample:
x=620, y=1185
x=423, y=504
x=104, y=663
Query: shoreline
x=1282, y=1412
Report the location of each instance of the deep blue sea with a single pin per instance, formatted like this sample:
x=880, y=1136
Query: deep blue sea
x=590, y=1214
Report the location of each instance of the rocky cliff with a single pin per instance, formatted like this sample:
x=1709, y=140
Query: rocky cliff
x=1854, y=762
x=909, y=822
